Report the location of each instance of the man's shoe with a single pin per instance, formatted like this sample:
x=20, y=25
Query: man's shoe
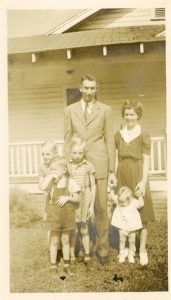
x=103, y=260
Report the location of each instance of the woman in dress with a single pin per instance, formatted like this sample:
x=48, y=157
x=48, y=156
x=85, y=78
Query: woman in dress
x=133, y=145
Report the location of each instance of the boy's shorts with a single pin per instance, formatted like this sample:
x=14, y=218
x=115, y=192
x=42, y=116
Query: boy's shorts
x=61, y=218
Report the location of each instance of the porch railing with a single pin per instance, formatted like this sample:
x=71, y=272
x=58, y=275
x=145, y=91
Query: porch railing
x=25, y=158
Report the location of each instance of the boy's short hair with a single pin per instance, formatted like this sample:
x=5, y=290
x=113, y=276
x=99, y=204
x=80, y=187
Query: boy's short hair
x=77, y=141
x=50, y=144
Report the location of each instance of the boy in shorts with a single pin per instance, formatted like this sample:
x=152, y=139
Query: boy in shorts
x=63, y=197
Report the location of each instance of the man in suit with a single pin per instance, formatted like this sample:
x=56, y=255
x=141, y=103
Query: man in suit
x=92, y=121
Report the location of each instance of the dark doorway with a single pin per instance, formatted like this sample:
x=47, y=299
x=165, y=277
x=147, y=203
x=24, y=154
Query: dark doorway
x=73, y=95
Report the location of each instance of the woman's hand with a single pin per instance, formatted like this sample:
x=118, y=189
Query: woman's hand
x=140, y=188
x=62, y=201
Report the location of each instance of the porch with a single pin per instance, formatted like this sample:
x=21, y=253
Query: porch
x=25, y=159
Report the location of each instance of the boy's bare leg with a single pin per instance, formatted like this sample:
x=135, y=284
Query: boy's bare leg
x=65, y=248
x=54, y=239
x=72, y=245
x=85, y=238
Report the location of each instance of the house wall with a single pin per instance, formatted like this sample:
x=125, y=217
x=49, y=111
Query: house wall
x=118, y=17
x=37, y=92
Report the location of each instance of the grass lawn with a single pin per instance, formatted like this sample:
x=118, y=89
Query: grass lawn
x=30, y=266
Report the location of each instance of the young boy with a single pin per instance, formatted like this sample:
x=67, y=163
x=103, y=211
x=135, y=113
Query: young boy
x=49, y=153
x=62, y=197
x=83, y=173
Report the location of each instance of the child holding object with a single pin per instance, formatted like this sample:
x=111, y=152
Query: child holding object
x=63, y=197
x=127, y=218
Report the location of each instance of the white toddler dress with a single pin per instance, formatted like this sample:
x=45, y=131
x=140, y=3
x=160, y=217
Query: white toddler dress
x=127, y=217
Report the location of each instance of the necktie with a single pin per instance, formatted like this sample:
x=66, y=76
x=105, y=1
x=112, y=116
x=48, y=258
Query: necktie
x=86, y=112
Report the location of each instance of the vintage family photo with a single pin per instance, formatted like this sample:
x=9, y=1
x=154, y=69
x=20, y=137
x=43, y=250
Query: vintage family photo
x=87, y=150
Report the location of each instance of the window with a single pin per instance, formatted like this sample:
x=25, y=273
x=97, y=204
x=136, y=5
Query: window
x=73, y=95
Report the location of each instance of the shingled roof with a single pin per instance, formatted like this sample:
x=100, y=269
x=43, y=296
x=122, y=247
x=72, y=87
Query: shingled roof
x=109, y=36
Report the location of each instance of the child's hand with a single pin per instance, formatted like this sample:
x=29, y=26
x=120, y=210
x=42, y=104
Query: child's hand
x=62, y=201
x=113, y=197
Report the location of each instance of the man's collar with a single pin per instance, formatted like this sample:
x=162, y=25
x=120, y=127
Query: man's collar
x=89, y=103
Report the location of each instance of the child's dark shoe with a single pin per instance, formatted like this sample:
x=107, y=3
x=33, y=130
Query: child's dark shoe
x=87, y=260
x=67, y=271
x=73, y=262
x=53, y=269
x=80, y=259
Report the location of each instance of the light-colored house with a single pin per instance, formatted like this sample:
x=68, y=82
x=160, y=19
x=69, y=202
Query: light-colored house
x=123, y=48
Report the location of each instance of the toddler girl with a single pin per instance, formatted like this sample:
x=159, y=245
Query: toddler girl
x=127, y=218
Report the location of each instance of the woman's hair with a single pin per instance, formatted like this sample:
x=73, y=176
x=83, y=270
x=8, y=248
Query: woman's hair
x=136, y=106
x=77, y=141
x=51, y=145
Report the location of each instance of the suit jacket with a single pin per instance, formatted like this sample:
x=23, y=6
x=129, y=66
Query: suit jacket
x=97, y=132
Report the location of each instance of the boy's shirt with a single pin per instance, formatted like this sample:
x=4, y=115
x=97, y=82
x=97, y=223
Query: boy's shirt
x=81, y=172
x=73, y=187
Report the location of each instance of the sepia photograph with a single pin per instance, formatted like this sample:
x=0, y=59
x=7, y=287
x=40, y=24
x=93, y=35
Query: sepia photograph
x=87, y=124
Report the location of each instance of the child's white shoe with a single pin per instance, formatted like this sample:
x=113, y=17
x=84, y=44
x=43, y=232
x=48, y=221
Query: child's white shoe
x=143, y=258
x=131, y=258
x=122, y=255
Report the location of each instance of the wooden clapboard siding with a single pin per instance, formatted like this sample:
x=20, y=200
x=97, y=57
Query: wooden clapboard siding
x=37, y=92
x=35, y=114
x=107, y=18
x=154, y=117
